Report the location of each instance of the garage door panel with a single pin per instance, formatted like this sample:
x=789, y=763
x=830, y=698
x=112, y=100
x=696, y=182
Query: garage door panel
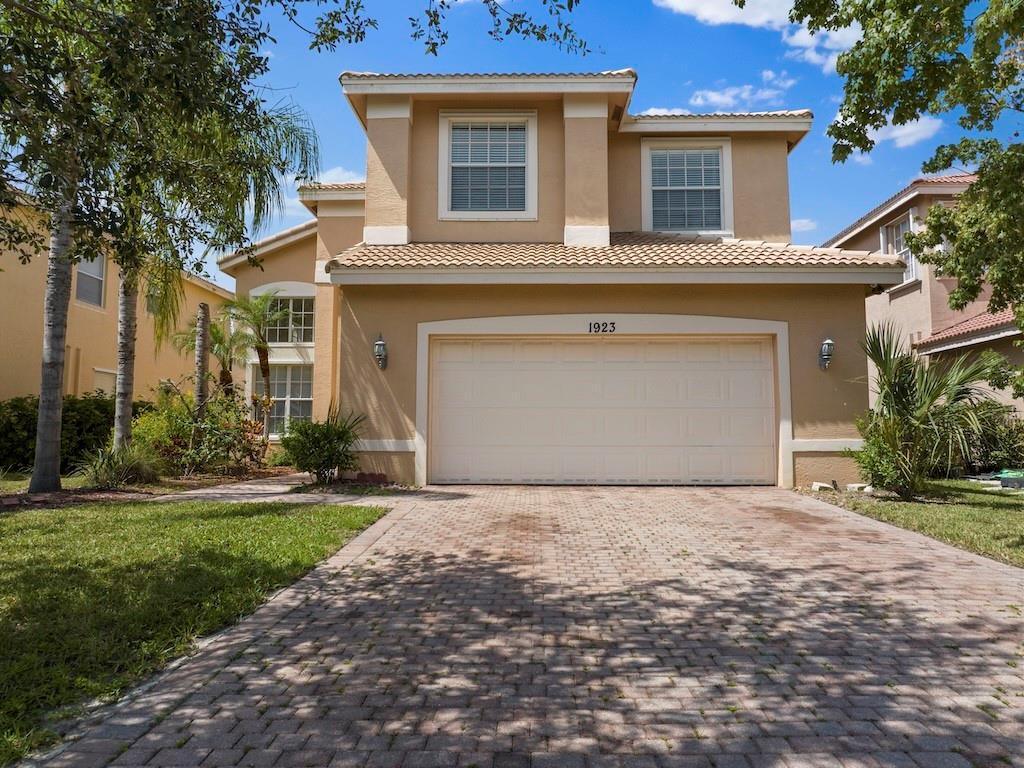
x=666, y=410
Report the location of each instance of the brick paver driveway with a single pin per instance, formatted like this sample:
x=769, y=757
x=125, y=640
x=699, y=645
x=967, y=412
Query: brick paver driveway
x=605, y=626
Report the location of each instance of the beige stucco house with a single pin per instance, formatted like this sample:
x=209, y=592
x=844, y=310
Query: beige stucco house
x=919, y=304
x=536, y=286
x=91, y=346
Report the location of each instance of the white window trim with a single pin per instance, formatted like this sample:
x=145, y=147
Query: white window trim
x=911, y=216
x=724, y=145
x=284, y=291
x=254, y=377
x=445, y=119
x=103, y=284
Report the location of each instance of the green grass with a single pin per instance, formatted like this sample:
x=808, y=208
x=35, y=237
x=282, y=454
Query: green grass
x=16, y=482
x=95, y=597
x=956, y=512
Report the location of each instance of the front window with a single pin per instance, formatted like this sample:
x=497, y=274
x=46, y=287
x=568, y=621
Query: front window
x=896, y=245
x=291, y=390
x=292, y=321
x=488, y=166
x=686, y=189
x=91, y=278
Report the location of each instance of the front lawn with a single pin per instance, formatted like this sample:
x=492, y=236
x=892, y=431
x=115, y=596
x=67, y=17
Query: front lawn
x=956, y=512
x=95, y=597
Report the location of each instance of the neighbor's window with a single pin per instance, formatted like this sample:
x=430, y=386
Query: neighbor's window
x=295, y=326
x=489, y=166
x=896, y=244
x=291, y=389
x=91, y=278
x=686, y=189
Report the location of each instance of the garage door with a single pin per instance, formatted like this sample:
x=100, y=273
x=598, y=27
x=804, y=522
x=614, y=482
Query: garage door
x=628, y=410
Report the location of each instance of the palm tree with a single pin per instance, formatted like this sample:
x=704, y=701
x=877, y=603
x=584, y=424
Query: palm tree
x=926, y=413
x=229, y=344
x=254, y=314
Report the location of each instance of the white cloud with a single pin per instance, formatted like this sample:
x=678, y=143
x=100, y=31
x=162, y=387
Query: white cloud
x=821, y=49
x=861, y=159
x=665, y=111
x=908, y=134
x=769, y=93
x=803, y=225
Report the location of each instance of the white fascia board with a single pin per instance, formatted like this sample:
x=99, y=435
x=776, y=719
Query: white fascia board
x=270, y=244
x=401, y=86
x=890, y=210
x=969, y=341
x=725, y=125
x=412, y=276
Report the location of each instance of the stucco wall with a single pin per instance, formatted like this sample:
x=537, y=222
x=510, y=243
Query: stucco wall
x=1006, y=347
x=824, y=404
x=91, y=335
x=586, y=171
x=293, y=262
x=760, y=185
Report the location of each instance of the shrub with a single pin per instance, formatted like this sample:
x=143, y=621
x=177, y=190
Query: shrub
x=324, y=448
x=118, y=467
x=226, y=439
x=280, y=457
x=87, y=422
x=999, y=444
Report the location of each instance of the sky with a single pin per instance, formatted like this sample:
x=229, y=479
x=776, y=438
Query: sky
x=695, y=55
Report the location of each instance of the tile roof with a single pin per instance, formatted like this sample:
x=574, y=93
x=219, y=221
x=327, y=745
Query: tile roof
x=951, y=179
x=788, y=114
x=986, y=321
x=626, y=250
x=353, y=185
x=624, y=73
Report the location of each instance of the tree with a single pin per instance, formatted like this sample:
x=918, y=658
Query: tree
x=254, y=314
x=229, y=345
x=944, y=57
x=202, y=350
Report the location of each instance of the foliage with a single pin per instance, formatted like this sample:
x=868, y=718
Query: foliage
x=925, y=416
x=117, y=467
x=252, y=315
x=88, y=420
x=95, y=598
x=943, y=57
x=224, y=440
x=325, y=449
x=229, y=343
x=279, y=457
x=999, y=444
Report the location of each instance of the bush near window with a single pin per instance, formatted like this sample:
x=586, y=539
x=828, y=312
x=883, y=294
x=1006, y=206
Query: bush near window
x=1000, y=442
x=87, y=422
x=117, y=467
x=225, y=440
x=325, y=449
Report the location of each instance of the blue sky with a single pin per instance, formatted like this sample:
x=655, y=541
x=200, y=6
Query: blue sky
x=698, y=55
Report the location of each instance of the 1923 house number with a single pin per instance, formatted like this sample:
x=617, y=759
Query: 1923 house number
x=601, y=327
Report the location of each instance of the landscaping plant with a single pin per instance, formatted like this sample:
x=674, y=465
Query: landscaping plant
x=112, y=467
x=325, y=449
x=925, y=417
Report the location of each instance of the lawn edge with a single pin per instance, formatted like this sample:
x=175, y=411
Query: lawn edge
x=140, y=708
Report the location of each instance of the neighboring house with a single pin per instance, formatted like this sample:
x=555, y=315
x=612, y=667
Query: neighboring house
x=919, y=305
x=91, y=348
x=536, y=286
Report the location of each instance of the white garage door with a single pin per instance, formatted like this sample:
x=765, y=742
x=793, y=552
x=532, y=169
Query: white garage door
x=657, y=410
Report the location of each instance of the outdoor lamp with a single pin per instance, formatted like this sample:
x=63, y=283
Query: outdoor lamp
x=380, y=352
x=825, y=353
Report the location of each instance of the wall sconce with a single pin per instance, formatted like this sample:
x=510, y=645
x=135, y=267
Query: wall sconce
x=380, y=352
x=828, y=347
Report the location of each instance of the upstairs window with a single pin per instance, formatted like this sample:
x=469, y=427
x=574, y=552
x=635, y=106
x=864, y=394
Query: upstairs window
x=687, y=186
x=91, y=280
x=293, y=321
x=896, y=245
x=487, y=167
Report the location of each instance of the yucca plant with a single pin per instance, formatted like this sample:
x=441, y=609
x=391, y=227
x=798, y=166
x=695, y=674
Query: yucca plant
x=117, y=467
x=926, y=415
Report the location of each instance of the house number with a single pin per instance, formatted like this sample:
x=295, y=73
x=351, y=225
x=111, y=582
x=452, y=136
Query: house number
x=601, y=328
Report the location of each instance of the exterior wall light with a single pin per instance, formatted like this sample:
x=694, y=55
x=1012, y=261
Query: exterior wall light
x=380, y=352
x=828, y=347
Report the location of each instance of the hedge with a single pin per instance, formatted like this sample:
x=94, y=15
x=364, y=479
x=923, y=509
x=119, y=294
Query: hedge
x=87, y=424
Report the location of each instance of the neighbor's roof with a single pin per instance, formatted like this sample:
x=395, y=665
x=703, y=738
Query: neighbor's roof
x=340, y=185
x=787, y=114
x=967, y=331
x=916, y=187
x=628, y=74
x=643, y=250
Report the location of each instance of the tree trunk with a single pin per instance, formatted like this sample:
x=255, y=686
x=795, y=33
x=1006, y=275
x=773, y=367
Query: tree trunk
x=202, y=359
x=263, y=354
x=46, y=466
x=127, y=320
x=227, y=382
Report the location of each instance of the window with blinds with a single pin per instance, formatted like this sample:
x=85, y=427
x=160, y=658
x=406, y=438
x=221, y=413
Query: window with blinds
x=488, y=166
x=686, y=189
x=90, y=282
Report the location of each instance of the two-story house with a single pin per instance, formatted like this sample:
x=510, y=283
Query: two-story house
x=919, y=304
x=535, y=286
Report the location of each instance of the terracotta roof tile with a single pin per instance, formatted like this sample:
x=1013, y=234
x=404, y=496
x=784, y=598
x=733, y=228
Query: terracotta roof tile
x=951, y=179
x=627, y=250
x=353, y=185
x=986, y=321
x=623, y=73
x=778, y=113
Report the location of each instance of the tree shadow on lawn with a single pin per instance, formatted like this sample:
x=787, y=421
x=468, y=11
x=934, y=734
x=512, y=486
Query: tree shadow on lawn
x=464, y=657
x=77, y=625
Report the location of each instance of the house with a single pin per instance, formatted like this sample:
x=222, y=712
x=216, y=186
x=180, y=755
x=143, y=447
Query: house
x=91, y=345
x=536, y=286
x=919, y=304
